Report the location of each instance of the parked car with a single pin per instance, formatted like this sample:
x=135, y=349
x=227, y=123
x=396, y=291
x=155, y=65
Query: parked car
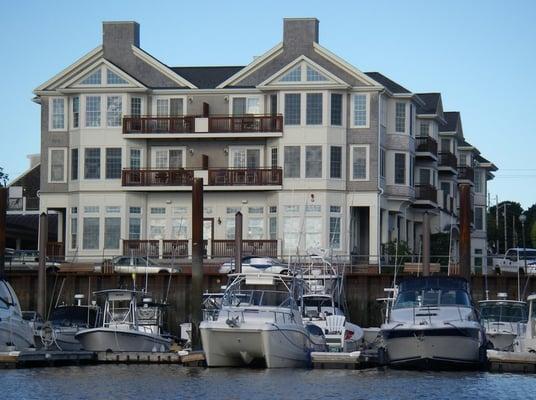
x=28, y=259
x=138, y=265
x=514, y=261
x=256, y=264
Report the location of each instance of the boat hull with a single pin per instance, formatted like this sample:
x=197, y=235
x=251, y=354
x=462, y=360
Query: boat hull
x=268, y=345
x=17, y=333
x=107, y=339
x=434, y=348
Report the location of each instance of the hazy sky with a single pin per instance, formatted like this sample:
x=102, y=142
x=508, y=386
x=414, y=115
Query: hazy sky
x=481, y=55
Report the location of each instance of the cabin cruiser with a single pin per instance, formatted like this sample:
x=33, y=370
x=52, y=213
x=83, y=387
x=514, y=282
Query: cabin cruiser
x=432, y=324
x=121, y=329
x=259, y=323
x=15, y=332
x=504, y=320
x=526, y=342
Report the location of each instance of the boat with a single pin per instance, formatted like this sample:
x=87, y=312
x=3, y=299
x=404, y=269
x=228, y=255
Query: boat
x=323, y=302
x=15, y=332
x=433, y=325
x=120, y=329
x=259, y=324
x=504, y=320
x=526, y=341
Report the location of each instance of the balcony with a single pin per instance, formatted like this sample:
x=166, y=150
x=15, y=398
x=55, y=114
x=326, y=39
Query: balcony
x=213, y=178
x=216, y=126
x=466, y=174
x=425, y=195
x=426, y=146
x=447, y=162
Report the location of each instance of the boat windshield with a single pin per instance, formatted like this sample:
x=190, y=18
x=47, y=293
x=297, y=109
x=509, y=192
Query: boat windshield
x=503, y=312
x=74, y=316
x=263, y=298
x=432, y=298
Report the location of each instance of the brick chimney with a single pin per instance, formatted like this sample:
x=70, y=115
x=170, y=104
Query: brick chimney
x=118, y=38
x=300, y=32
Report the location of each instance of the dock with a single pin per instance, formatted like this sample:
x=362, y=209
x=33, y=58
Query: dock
x=509, y=361
x=339, y=360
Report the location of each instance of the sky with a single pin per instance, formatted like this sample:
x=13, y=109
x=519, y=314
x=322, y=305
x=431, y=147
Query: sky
x=480, y=54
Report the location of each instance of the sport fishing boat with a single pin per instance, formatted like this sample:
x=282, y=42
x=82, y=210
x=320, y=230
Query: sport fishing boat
x=433, y=324
x=504, y=320
x=120, y=330
x=259, y=323
x=15, y=332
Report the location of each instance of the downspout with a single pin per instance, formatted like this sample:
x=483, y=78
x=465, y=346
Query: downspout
x=379, y=188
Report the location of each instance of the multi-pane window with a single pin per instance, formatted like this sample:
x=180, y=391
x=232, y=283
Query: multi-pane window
x=93, y=111
x=382, y=163
x=336, y=109
x=400, y=117
x=335, y=232
x=179, y=228
x=425, y=129
x=57, y=165
x=91, y=233
x=424, y=176
x=58, y=113
x=74, y=164
x=292, y=109
x=74, y=231
x=113, y=163
x=359, y=162
x=314, y=76
x=76, y=112
x=113, y=110
x=445, y=187
x=135, y=158
x=400, y=168
x=112, y=232
x=313, y=232
x=445, y=145
x=360, y=110
x=314, y=109
x=274, y=156
x=245, y=158
x=291, y=232
x=246, y=105
x=479, y=218
x=292, y=161
x=272, y=228
x=92, y=163
x=94, y=78
x=135, y=106
x=463, y=160
x=479, y=184
x=313, y=161
x=134, y=223
x=335, y=162
x=255, y=228
x=293, y=75
x=113, y=79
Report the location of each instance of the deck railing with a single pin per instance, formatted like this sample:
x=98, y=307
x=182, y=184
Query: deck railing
x=154, y=124
x=466, y=173
x=245, y=176
x=142, y=248
x=447, y=159
x=426, y=192
x=226, y=248
x=426, y=144
x=246, y=123
x=175, y=248
x=157, y=177
x=55, y=251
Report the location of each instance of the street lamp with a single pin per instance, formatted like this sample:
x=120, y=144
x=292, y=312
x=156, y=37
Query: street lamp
x=522, y=219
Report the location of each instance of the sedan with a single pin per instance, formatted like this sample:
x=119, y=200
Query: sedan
x=137, y=265
x=254, y=264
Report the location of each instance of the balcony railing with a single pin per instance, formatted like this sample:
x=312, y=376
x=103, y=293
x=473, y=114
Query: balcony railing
x=142, y=248
x=466, y=173
x=447, y=159
x=426, y=192
x=55, y=251
x=426, y=144
x=149, y=124
x=245, y=176
x=157, y=177
x=246, y=123
x=175, y=248
x=226, y=248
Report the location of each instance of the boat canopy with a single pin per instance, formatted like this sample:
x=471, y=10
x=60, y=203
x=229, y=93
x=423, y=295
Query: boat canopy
x=443, y=283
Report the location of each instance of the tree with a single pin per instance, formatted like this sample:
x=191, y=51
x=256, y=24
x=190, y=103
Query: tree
x=4, y=177
x=513, y=226
x=440, y=247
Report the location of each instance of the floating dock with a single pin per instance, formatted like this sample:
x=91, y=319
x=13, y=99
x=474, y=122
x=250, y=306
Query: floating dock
x=336, y=360
x=510, y=361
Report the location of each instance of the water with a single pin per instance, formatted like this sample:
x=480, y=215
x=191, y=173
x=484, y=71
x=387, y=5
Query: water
x=176, y=382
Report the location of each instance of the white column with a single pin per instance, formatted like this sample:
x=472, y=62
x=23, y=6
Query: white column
x=374, y=234
x=385, y=226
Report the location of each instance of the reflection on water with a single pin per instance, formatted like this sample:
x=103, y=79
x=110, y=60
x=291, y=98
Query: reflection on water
x=176, y=382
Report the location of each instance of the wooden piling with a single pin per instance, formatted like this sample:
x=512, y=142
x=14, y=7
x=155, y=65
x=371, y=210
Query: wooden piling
x=196, y=296
x=41, y=272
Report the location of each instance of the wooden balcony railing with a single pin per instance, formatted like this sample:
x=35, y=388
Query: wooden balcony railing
x=246, y=123
x=245, y=176
x=175, y=248
x=426, y=192
x=157, y=177
x=447, y=159
x=426, y=144
x=226, y=248
x=150, y=124
x=142, y=248
x=466, y=173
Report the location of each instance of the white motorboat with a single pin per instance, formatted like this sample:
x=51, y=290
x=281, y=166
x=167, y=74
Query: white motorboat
x=526, y=341
x=15, y=332
x=259, y=323
x=120, y=330
x=432, y=324
x=504, y=320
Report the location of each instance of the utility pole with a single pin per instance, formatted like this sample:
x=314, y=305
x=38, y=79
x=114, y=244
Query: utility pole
x=425, y=244
x=196, y=298
x=238, y=242
x=41, y=272
x=505, y=237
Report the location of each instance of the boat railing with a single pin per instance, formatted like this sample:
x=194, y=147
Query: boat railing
x=279, y=316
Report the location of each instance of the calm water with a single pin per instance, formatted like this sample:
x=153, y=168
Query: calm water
x=175, y=382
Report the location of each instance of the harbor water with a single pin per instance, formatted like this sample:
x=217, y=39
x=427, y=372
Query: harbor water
x=177, y=382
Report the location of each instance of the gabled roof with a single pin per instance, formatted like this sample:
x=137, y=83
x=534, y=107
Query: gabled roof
x=451, y=119
x=432, y=103
x=389, y=84
x=207, y=77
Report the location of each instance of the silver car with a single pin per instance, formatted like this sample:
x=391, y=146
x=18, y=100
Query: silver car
x=256, y=264
x=137, y=265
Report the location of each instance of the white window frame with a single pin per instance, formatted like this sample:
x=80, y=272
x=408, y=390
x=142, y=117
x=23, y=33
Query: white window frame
x=245, y=148
x=343, y=109
x=405, y=118
x=65, y=114
x=367, y=149
x=140, y=149
x=168, y=98
x=302, y=108
x=121, y=111
x=367, y=109
x=407, y=180
x=260, y=99
x=71, y=108
x=142, y=105
x=323, y=107
x=154, y=149
x=83, y=119
x=65, y=163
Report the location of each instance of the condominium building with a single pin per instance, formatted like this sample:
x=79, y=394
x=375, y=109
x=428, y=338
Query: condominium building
x=312, y=151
